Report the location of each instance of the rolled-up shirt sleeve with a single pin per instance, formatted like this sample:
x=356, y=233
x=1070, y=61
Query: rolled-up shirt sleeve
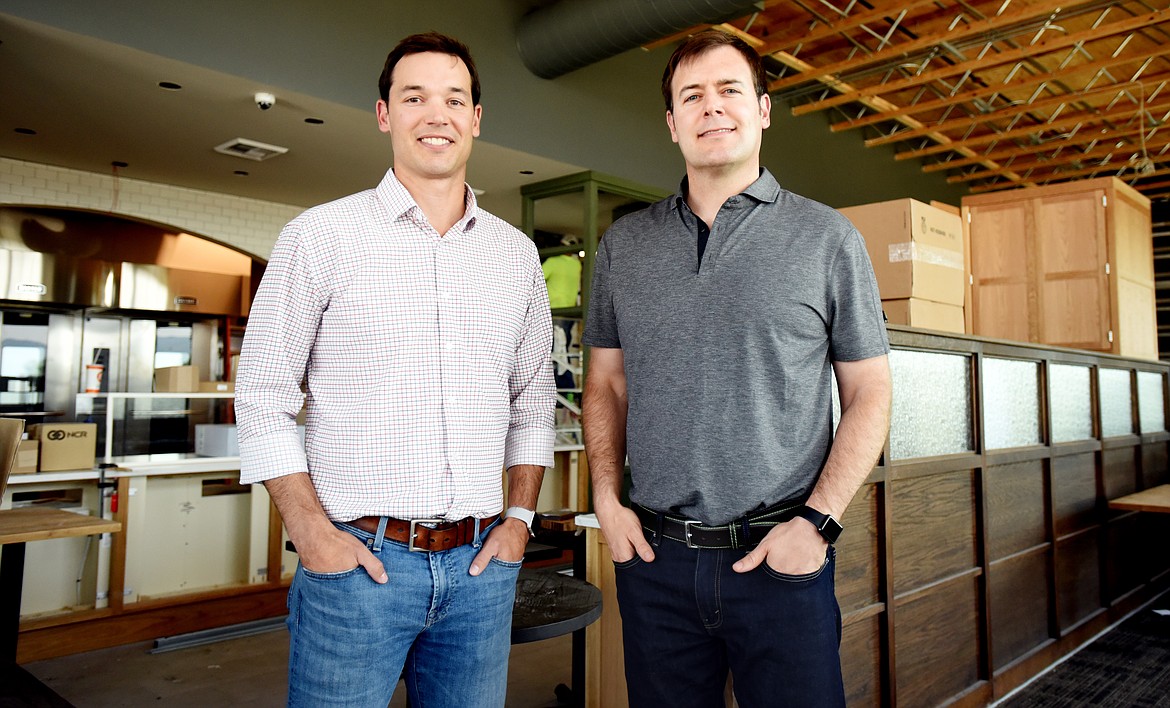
x=533, y=393
x=282, y=327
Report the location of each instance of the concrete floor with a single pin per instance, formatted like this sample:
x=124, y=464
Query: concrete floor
x=250, y=671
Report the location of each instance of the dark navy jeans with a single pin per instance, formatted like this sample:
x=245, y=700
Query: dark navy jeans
x=687, y=618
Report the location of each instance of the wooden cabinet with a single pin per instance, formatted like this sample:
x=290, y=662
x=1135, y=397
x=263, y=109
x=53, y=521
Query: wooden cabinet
x=1068, y=264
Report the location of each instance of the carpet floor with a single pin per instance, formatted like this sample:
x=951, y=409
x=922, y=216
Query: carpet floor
x=1128, y=667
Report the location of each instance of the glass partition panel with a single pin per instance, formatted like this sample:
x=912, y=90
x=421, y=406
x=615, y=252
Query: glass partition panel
x=1011, y=403
x=1151, y=414
x=1116, y=402
x=932, y=404
x=1070, y=402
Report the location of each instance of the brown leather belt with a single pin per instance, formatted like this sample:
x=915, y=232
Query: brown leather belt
x=427, y=534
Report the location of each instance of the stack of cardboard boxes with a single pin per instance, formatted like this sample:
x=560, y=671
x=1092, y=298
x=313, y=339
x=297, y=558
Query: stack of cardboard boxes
x=918, y=255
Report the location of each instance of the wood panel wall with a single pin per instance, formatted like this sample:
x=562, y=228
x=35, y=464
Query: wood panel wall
x=961, y=576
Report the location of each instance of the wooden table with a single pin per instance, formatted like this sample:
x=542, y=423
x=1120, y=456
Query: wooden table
x=1156, y=499
x=17, y=527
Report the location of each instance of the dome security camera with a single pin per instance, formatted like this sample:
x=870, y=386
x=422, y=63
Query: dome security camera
x=264, y=100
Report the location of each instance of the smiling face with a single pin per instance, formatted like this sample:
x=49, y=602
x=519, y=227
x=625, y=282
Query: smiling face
x=430, y=117
x=717, y=119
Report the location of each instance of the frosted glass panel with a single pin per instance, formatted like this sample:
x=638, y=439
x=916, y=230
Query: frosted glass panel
x=1070, y=402
x=1116, y=402
x=932, y=404
x=1150, y=411
x=1011, y=403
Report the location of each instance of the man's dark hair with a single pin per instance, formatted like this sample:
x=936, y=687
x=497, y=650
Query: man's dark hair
x=428, y=42
x=704, y=42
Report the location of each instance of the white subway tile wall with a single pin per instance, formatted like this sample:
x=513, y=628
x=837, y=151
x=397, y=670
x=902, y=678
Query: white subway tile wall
x=250, y=225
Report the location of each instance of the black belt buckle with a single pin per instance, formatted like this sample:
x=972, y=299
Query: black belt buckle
x=687, y=524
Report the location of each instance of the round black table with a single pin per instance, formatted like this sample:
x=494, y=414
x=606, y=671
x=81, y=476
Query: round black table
x=549, y=604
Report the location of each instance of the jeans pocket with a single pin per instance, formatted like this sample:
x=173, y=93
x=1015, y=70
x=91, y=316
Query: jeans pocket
x=802, y=578
x=623, y=565
x=327, y=577
x=511, y=565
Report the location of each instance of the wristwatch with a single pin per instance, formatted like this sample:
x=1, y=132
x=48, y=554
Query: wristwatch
x=829, y=527
x=525, y=515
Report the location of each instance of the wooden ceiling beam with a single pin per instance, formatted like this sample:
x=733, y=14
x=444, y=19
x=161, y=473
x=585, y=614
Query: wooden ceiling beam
x=1129, y=24
x=1066, y=176
x=929, y=40
x=1034, y=80
x=1010, y=112
x=1018, y=150
x=1071, y=158
x=827, y=29
x=1092, y=118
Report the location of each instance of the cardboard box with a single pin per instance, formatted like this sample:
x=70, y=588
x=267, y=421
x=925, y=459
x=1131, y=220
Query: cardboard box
x=917, y=250
x=926, y=314
x=176, y=379
x=65, y=446
x=216, y=440
x=216, y=387
x=27, y=456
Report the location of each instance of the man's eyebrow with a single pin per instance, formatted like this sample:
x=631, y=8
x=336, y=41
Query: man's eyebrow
x=420, y=87
x=720, y=82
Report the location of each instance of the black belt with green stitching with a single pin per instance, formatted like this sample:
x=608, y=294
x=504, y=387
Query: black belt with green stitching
x=741, y=533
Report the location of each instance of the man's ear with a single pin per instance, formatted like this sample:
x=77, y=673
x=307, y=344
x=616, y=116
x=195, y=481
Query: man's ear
x=765, y=110
x=670, y=124
x=383, y=112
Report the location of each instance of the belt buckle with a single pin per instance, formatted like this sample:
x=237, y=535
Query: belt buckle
x=687, y=524
x=414, y=534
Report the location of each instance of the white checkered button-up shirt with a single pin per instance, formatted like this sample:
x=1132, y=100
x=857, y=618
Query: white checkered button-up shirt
x=426, y=359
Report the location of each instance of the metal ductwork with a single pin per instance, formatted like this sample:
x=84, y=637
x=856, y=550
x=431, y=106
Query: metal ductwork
x=570, y=34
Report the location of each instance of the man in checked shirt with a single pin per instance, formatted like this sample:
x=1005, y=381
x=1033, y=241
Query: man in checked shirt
x=419, y=329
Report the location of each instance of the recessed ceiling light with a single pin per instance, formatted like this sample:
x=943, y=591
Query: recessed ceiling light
x=25, y=131
x=525, y=172
x=119, y=164
x=314, y=121
x=241, y=173
x=169, y=85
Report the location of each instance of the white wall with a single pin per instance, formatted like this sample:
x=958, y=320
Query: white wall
x=250, y=225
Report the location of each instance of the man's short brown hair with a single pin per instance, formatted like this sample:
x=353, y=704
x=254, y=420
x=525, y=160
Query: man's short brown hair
x=428, y=42
x=704, y=42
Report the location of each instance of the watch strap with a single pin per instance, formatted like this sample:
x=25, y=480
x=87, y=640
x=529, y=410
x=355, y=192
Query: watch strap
x=826, y=525
x=525, y=515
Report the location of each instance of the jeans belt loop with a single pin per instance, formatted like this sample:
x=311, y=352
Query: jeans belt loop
x=476, y=541
x=380, y=535
x=658, y=531
x=746, y=527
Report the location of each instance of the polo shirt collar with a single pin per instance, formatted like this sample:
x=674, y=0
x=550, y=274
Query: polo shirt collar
x=398, y=201
x=765, y=189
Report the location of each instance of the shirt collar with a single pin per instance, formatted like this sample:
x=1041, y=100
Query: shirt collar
x=765, y=189
x=398, y=200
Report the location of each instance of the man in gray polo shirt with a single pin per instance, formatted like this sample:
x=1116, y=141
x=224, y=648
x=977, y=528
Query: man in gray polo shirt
x=716, y=321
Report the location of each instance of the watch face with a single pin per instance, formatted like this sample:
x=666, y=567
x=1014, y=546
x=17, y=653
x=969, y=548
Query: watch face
x=831, y=529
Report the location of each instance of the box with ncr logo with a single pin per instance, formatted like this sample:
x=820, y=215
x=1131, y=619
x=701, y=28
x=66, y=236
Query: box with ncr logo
x=66, y=446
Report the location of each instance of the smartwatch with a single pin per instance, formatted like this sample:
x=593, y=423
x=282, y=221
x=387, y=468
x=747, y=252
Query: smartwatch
x=828, y=527
x=525, y=515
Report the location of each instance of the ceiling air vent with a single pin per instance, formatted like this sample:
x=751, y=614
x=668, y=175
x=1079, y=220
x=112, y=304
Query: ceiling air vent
x=250, y=149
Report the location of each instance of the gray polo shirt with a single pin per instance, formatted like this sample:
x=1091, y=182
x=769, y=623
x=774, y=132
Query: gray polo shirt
x=728, y=361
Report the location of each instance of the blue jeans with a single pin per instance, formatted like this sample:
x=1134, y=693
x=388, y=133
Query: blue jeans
x=687, y=618
x=350, y=638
